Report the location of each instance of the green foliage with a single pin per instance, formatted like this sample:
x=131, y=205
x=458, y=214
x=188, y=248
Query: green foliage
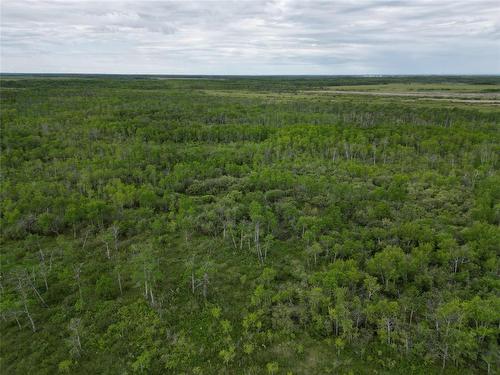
x=248, y=225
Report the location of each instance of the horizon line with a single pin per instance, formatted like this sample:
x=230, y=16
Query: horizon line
x=374, y=75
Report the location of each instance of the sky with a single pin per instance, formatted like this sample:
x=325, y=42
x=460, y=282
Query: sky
x=271, y=37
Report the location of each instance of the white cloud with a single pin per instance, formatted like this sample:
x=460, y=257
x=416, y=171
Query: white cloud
x=251, y=37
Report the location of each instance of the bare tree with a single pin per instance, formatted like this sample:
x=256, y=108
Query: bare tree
x=75, y=328
x=22, y=290
x=31, y=282
x=115, y=232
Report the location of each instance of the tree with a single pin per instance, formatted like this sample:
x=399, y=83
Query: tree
x=389, y=264
x=199, y=275
x=147, y=270
x=340, y=314
x=23, y=294
x=75, y=328
x=185, y=216
x=371, y=285
x=450, y=253
x=384, y=314
x=257, y=217
x=314, y=250
x=453, y=341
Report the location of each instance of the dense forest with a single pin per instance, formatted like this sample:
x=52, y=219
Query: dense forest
x=249, y=225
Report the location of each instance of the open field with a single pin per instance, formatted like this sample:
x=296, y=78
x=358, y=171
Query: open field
x=249, y=225
x=450, y=88
x=464, y=97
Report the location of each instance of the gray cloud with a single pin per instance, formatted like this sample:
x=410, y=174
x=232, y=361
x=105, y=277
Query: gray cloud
x=251, y=37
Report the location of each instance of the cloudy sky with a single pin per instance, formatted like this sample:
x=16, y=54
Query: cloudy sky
x=251, y=37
